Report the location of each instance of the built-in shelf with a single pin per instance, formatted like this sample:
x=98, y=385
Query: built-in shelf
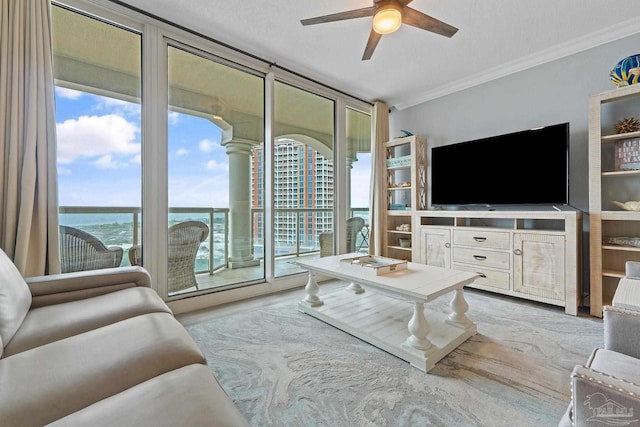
x=405, y=192
x=607, y=184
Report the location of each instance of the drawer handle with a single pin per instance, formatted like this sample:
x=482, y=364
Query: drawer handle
x=480, y=257
x=517, y=252
x=482, y=275
x=479, y=239
x=447, y=245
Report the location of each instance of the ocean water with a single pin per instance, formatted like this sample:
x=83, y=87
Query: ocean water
x=117, y=230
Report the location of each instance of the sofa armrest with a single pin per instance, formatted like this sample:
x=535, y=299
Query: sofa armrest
x=65, y=287
x=627, y=294
x=622, y=330
x=632, y=269
x=596, y=396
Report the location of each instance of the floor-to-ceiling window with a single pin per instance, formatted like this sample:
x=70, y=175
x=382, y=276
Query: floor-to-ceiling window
x=172, y=126
x=98, y=78
x=215, y=128
x=358, y=131
x=303, y=180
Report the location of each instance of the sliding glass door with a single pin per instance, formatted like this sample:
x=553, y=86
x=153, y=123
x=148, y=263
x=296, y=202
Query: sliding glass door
x=303, y=195
x=215, y=133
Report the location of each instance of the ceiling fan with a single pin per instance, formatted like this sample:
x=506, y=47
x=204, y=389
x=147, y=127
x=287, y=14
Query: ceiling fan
x=388, y=15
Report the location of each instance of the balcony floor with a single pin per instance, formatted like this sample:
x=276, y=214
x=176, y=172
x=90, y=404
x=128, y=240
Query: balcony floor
x=229, y=276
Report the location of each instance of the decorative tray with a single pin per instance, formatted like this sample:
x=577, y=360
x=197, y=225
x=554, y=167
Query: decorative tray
x=377, y=264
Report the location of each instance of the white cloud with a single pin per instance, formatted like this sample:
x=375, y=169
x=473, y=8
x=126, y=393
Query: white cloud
x=108, y=162
x=182, y=152
x=206, y=145
x=68, y=93
x=96, y=136
x=117, y=106
x=209, y=145
x=174, y=118
x=105, y=101
x=63, y=171
x=216, y=165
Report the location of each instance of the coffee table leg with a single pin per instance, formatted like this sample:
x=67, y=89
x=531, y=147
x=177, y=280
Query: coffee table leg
x=312, y=289
x=419, y=329
x=459, y=306
x=355, y=288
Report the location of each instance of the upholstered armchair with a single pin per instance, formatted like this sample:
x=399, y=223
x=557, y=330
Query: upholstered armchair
x=606, y=390
x=82, y=251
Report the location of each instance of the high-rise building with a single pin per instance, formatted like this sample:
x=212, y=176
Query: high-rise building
x=303, y=195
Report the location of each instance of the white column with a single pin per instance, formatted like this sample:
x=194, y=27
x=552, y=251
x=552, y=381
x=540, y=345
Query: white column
x=239, y=152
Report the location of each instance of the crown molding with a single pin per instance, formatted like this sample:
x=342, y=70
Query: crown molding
x=571, y=47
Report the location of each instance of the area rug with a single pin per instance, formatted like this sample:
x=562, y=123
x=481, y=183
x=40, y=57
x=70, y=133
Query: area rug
x=285, y=368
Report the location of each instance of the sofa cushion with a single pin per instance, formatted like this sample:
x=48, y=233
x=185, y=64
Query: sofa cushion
x=615, y=364
x=15, y=299
x=50, y=323
x=49, y=382
x=188, y=396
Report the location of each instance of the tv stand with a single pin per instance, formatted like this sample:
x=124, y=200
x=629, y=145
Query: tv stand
x=528, y=254
x=503, y=208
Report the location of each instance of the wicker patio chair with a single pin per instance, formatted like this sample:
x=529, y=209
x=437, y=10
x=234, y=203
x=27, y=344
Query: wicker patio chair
x=184, y=241
x=354, y=226
x=80, y=251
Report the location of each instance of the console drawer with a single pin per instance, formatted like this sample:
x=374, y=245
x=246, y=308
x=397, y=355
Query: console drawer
x=482, y=257
x=482, y=238
x=493, y=278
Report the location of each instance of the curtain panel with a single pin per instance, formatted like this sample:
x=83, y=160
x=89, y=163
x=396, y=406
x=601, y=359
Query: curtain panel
x=378, y=200
x=28, y=182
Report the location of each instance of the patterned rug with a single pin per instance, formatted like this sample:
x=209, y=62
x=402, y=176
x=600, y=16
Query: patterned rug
x=285, y=368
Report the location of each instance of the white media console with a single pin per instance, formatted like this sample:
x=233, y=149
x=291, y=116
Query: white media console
x=527, y=254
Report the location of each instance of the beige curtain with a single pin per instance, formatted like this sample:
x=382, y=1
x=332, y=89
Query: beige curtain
x=28, y=189
x=378, y=201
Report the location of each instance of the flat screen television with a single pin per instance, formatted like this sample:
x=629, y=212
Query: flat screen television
x=529, y=167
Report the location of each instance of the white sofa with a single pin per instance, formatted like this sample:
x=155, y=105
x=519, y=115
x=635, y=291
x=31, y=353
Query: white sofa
x=100, y=348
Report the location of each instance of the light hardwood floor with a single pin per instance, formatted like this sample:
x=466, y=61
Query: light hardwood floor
x=253, y=303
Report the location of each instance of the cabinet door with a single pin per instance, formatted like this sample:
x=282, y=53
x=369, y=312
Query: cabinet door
x=539, y=265
x=435, y=246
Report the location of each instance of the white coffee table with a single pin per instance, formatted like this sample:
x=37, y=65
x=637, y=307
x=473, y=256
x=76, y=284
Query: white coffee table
x=388, y=311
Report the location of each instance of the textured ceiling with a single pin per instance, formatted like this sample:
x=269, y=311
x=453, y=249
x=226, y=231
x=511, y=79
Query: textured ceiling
x=410, y=66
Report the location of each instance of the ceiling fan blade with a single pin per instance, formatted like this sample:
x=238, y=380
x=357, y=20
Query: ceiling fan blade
x=350, y=14
x=401, y=2
x=420, y=20
x=374, y=38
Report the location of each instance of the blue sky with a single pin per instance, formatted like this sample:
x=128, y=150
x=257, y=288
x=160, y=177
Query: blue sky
x=99, y=159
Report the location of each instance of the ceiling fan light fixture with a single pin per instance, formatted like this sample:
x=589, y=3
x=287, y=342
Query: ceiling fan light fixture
x=387, y=19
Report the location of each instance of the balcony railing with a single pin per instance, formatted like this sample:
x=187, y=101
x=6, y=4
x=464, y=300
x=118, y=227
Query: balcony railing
x=296, y=231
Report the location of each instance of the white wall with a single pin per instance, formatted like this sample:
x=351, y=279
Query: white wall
x=551, y=93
